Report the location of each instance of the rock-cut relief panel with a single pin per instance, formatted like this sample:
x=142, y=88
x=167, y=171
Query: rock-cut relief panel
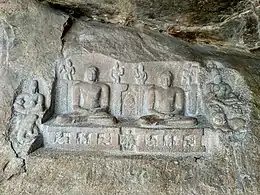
x=166, y=105
x=227, y=98
x=192, y=89
x=89, y=101
x=29, y=107
x=127, y=104
x=143, y=108
x=130, y=91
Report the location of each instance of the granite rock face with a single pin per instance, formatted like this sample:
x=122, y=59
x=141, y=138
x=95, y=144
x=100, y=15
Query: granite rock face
x=215, y=22
x=26, y=53
x=44, y=56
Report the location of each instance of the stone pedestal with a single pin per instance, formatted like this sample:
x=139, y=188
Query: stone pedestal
x=123, y=140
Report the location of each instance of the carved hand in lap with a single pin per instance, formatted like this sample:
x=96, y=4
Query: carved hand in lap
x=166, y=103
x=91, y=97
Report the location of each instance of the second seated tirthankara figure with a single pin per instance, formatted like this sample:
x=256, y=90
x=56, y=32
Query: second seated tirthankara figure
x=90, y=101
x=166, y=105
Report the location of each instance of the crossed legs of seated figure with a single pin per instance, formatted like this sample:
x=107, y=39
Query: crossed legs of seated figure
x=90, y=101
x=166, y=104
x=167, y=121
x=98, y=118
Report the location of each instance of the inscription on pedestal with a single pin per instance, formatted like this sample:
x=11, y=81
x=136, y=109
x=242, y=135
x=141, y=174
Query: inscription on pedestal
x=168, y=140
x=83, y=138
x=126, y=139
x=62, y=138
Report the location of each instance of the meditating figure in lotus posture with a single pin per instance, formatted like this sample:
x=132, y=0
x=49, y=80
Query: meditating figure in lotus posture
x=166, y=104
x=90, y=101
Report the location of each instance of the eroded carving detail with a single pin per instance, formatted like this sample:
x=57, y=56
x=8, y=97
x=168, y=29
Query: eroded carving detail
x=7, y=41
x=67, y=70
x=117, y=99
x=90, y=101
x=151, y=140
x=225, y=107
x=140, y=74
x=28, y=110
x=169, y=140
x=139, y=175
x=91, y=96
x=189, y=142
x=218, y=118
x=191, y=88
x=62, y=138
x=128, y=141
x=83, y=138
x=117, y=89
x=129, y=103
x=117, y=72
x=104, y=139
x=166, y=104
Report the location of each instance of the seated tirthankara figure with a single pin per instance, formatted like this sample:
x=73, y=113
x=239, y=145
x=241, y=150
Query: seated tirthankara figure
x=166, y=105
x=90, y=101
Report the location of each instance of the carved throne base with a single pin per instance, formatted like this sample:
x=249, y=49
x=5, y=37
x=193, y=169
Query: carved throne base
x=123, y=139
x=102, y=118
x=152, y=121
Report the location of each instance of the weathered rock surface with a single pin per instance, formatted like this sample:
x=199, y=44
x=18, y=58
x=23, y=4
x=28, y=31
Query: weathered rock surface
x=222, y=23
x=33, y=40
x=26, y=52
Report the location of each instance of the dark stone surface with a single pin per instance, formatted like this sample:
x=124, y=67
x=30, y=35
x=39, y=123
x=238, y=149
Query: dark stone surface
x=32, y=43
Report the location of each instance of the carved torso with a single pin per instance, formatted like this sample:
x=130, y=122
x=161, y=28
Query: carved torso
x=164, y=100
x=90, y=95
x=29, y=101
